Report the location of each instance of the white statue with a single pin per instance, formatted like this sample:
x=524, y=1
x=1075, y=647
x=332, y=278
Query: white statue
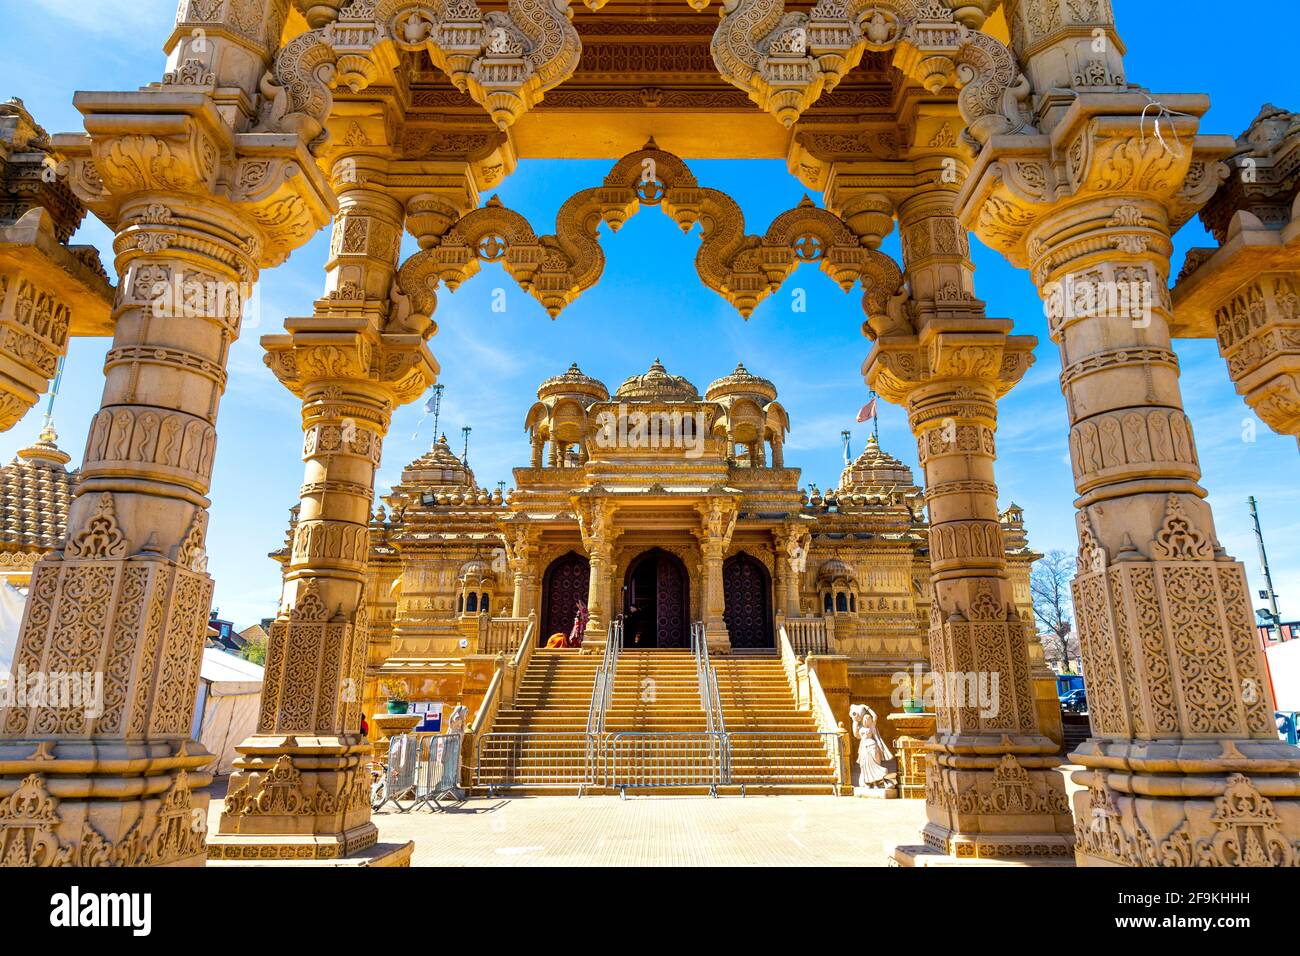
x=872, y=752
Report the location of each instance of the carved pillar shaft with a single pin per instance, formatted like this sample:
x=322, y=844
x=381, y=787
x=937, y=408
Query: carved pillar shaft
x=1178, y=697
x=301, y=788
x=125, y=602
x=992, y=790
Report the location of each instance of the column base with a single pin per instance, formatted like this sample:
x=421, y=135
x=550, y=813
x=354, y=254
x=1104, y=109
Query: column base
x=718, y=638
x=312, y=803
x=79, y=804
x=912, y=855
x=1228, y=820
x=987, y=807
x=350, y=848
x=379, y=855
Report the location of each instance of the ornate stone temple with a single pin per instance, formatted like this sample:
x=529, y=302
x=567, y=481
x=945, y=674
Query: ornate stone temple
x=618, y=509
x=1017, y=121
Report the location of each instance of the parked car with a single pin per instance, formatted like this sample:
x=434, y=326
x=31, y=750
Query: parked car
x=1075, y=702
x=1288, y=723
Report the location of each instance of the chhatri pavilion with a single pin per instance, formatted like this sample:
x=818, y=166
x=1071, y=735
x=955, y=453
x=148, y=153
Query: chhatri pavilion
x=1016, y=121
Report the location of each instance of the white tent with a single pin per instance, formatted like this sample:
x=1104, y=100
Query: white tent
x=225, y=713
x=11, y=620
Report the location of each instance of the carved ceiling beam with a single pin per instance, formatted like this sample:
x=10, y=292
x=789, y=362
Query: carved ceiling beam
x=785, y=61
x=504, y=61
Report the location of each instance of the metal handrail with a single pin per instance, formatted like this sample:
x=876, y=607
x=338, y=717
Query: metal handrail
x=710, y=695
x=602, y=691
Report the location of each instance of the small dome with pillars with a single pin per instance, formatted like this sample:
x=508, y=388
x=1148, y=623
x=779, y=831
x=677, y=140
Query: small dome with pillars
x=656, y=385
x=875, y=472
x=742, y=383
x=573, y=382
x=836, y=571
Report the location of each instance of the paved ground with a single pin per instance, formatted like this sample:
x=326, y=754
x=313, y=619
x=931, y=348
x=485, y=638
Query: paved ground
x=654, y=831
x=659, y=831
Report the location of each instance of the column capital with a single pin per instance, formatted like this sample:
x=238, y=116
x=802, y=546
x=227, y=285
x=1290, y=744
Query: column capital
x=949, y=355
x=170, y=154
x=717, y=522
x=351, y=352
x=595, y=515
x=1028, y=193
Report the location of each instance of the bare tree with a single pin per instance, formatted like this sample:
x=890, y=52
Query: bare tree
x=1049, y=583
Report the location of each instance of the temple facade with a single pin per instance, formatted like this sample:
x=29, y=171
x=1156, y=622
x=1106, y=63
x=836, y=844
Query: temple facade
x=662, y=507
x=1016, y=121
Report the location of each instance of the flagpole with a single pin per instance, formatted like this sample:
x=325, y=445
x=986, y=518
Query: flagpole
x=875, y=419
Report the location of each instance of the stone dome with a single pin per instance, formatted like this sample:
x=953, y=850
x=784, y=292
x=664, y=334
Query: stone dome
x=875, y=472
x=656, y=385
x=573, y=382
x=742, y=383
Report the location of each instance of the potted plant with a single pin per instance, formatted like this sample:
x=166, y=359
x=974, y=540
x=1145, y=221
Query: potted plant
x=911, y=703
x=398, y=697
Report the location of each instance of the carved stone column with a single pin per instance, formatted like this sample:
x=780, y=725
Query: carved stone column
x=596, y=524
x=1246, y=293
x=791, y=560
x=717, y=522
x=127, y=597
x=521, y=554
x=49, y=290
x=992, y=788
x=1184, y=765
x=301, y=786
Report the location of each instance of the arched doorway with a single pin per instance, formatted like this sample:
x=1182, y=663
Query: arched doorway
x=565, y=584
x=656, y=601
x=747, y=591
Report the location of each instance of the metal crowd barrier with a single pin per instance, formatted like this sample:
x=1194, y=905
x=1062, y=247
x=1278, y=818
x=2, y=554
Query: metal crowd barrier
x=647, y=761
x=398, y=781
x=439, y=771
x=422, y=769
x=536, y=760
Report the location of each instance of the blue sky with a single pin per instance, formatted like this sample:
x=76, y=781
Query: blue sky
x=650, y=303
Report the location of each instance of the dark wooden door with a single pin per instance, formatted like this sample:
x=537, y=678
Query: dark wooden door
x=671, y=608
x=747, y=590
x=565, y=584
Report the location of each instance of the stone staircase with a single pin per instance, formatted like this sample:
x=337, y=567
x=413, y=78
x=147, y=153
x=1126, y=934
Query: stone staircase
x=656, y=692
x=758, y=708
x=552, y=701
x=539, y=743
